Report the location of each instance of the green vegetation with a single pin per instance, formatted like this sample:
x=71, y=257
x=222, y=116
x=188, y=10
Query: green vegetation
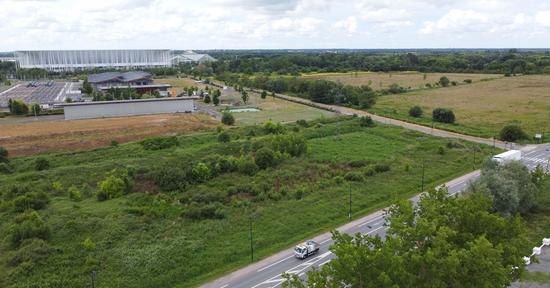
x=167, y=205
x=443, y=242
x=228, y=119
x=443, y=115
x=416, y=111
x=512, y=133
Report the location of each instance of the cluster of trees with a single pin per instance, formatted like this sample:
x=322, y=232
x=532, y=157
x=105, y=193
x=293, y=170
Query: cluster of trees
x=442, y=242
x=249, y=62
x=322, y=91
x=18, y=107
x=123, y=94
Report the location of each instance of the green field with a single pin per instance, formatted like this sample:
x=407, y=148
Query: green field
x=147, y=238
x=482, y=108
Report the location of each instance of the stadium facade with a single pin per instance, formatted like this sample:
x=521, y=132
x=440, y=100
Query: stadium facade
x=71, y=60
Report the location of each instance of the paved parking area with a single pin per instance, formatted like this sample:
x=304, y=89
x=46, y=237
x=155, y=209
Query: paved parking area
x=41, y=92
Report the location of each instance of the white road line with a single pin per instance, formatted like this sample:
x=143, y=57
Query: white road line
x=323, y=263
x=273, y=264
x=370, y=221
x=325, y=241
x=376, y=229
x=224, y=286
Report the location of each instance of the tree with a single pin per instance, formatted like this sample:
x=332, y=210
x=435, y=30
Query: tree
x=512, y=133
x=207, y=99
x=41, y=164
x=442, y=242
x=244, y=96
x=224, y=137
x=510, y=186
x=18, y=107
x=116, y=183
x=35, y=109
x=201, y=173
x=265, y=157
x=264, y=94
x=228, y=119
x=87, y=87
x=366, y=121
x=443, y=115
x=216, y=97
x=444, y=81
x=416, y=111
x=3, y=154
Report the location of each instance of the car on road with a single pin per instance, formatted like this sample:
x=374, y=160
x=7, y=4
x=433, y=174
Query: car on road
x=303, y=250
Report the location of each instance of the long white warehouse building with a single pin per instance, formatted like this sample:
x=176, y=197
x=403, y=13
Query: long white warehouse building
x=104, y=109
x=70, y=60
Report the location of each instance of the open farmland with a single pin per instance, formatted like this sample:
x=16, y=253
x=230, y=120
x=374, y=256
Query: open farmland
x=30, y=135
x=481, y=109
x=412, y=80
x=154, y=236
x=180, y=83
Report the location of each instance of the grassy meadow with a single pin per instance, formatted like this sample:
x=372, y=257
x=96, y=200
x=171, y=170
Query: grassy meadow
x=410, y=80
x=482, y=108
x=163, y=234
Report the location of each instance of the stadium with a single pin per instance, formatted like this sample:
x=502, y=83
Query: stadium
x=71, y=60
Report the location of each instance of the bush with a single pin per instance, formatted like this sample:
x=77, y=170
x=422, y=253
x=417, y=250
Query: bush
x=302, y=123
x=354, y=176
x=224, y=137
x=454, y=144
x=201, y=173
x=272, y=128
x=32, y=200
x=359, y=163
x=444, y=81
x=443, y=115
x=74, y=193
x=114, y=185
x=415, y=111
x=228, y=119
x=210, y=211
x=88, y=244
x=265, y=158
x=41, y=164
x=454, y=83
x=31, y=252
x=247, y=166
x=158, y=143
x=171, y=178
x=366, y=121
x=512, y=133
x=380, y=168
x=468, y=81
x=28, y=226
x=207, y=99
x=3, y=154
x=292, y=144
x=5, y=168
x=441, y=150
x=114, y=143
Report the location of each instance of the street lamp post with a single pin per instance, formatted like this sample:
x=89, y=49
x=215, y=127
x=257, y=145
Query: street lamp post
x=93, y=278
x=474, y=164
x=349, y=202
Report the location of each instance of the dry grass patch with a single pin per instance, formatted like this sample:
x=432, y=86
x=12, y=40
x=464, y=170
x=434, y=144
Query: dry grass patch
x=59, y=135
x=481, y=108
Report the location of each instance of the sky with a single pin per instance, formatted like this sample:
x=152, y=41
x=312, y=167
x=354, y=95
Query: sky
x=272, y=24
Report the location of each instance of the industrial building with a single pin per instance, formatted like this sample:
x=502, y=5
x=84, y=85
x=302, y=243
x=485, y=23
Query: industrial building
x=71, y=60
x=140, y=81
x=192, y=57
x=103, y=109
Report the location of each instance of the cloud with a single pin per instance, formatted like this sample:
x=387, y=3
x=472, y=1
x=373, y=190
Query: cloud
x=543, y=18
x=457, y=21
x=349, y=25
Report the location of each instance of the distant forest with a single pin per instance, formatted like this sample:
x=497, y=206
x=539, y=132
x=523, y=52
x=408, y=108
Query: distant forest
x=294, y=62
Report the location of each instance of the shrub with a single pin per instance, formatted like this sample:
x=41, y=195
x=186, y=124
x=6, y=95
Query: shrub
x=228, y=119
x=369, y=171
x=117, y=183
x=247, y=166
x=272, y=128
x=5, y=168
x=201, y=173
x=292, y=144
x=32, y=200
x=366, y=121
x=265, y=158
x=380, y=168
x=31, y=252
x=3, y=154
x=227, y=164
x=444, y=81
x=171, y=178
x=454, y=83
x=354, y=176
x=468, y=81
x=224, y=137
x=114, y=143
x=338, y=179
x=88, y=244
x=302, y=123
x=452, y=144
x=441, y=150
x=207, y=99
x=443, y=115
x=210, y=211
x=512, y=133
x=74, y=193
x=264, y=94
x=28, y=226
x=158, y=143
x=415, y=111
x=41, y=164
x=359, y=163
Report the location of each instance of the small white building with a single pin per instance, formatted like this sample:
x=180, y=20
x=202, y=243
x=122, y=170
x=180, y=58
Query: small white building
x=118, y=108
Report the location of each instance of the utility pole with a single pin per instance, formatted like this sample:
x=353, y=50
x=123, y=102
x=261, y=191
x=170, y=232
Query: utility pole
x=251, y=245
x=349, y=202
x=93, y=278
x=423, y=168
x=474, y=164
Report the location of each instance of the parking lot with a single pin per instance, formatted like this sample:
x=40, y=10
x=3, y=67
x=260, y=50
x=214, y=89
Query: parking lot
x=41, y=92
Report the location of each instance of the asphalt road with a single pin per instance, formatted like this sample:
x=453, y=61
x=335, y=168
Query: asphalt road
x=267, y=272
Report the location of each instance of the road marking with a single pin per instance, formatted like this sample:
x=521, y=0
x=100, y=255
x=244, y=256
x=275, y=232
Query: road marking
x=323, y=263
x=224, y=286
x=376, y=229
x=325, y=241
x=273, y=264
x=371, y=220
